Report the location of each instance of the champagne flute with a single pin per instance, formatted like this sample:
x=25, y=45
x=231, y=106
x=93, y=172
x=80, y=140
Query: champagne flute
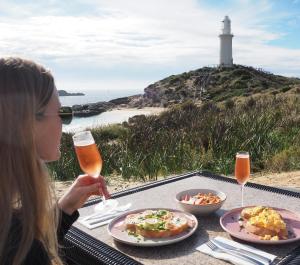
x=242, y=170
x=91, y=162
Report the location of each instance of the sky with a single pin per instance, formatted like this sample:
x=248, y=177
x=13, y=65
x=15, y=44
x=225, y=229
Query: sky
x=129, y=44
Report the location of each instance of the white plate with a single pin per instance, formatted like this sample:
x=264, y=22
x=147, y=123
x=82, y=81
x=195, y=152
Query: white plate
x=117, y=230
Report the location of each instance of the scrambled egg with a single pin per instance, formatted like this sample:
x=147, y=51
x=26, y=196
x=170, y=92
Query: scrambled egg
x=269, y=219
x=269, y=237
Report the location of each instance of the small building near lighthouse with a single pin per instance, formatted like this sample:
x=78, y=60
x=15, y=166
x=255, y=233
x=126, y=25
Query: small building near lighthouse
x=226, y=59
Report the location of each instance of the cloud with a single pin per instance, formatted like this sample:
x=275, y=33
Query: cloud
x=118, y=36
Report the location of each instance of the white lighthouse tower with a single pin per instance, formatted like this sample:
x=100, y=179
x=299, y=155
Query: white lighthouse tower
x=226, y=44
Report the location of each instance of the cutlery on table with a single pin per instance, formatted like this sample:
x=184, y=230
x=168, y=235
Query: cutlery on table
x=216, y=248
x=241, y=250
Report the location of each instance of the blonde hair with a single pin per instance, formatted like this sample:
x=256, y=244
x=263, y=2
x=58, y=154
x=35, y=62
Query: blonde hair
x=25, y=89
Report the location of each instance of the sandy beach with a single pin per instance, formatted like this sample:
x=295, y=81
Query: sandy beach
x=146, y=110
x=109, y=117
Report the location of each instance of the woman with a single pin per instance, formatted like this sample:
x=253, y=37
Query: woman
x=31, y=226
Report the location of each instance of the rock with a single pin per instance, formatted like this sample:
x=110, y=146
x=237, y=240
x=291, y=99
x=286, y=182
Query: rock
x=64, y=93
x=99, y=105
x=119, y=101
x=88, y=113
x=91, y=109
x=77, y=107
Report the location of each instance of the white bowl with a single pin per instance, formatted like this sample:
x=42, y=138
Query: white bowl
x=200, y=209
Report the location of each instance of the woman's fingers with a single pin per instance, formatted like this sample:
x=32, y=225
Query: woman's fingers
x=89, y=181
x=91, y=189
x=86, y=179
x=88, y=184
x=83, y=187
x=103, y=188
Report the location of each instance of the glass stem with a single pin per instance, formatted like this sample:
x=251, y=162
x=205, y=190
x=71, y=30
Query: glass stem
x=103, y=197
x=242, y=191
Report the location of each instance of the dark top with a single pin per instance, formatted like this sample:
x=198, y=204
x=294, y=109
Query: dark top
x=37, y=254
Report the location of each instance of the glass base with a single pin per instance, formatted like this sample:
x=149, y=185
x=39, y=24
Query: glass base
x=106, y=205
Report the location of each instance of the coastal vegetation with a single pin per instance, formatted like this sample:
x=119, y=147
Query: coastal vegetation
x=190, y=137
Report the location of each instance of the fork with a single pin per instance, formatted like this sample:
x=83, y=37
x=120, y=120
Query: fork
x=215, y=248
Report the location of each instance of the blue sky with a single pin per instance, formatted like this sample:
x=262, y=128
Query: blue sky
x=129, y=44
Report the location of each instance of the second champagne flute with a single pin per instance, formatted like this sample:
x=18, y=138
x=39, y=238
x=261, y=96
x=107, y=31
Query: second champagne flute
x=91, y=162
x=242, y=170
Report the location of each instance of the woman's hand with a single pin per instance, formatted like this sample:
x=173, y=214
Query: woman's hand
x=81, y=189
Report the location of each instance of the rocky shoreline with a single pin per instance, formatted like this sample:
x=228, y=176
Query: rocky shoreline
x=91, y=109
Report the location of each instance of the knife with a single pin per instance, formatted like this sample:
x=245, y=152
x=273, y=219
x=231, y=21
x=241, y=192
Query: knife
x=241, y=250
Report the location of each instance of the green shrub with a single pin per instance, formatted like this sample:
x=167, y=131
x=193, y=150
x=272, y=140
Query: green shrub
x=264, y=84
x=286, y=160
x=174, y=79
x=285, y=88
x=239, y=84
x=229, y=104
x=224, y=78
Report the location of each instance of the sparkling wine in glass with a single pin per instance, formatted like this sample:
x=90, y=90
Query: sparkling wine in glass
x=90, y=162
x=242, y=170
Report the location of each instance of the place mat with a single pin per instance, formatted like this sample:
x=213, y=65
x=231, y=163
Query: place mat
x=164, y=191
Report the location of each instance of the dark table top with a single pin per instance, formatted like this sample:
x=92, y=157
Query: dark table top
x=161, y=194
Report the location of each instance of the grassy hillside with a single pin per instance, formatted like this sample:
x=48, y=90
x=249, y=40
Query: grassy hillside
x=218, y=85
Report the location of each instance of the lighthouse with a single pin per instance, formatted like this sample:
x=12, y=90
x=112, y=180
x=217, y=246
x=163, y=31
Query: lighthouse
x=226, y=44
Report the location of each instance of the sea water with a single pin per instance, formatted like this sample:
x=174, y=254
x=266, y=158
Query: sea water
x=93, y=96
x=105, y=118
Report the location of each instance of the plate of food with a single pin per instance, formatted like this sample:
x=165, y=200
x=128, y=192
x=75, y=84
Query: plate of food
x=152, y=227
x=262, y=224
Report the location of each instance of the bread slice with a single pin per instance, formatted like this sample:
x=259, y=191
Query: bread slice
x=156, y=224
x=251, y=211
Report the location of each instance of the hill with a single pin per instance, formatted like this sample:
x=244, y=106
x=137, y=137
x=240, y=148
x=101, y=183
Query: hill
x=207, y=84
x=217, y=84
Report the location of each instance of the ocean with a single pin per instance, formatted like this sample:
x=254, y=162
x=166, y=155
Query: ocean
x=105, y=118
x=92, y=96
